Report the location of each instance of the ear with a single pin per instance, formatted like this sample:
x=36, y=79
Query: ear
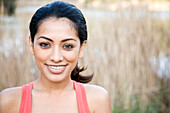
x=31, y=46
x=81, y=53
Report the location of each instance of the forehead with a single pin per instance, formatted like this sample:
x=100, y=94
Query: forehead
x=63, y=20
x=57, y=27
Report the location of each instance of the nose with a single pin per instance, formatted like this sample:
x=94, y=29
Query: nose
x=56, y=55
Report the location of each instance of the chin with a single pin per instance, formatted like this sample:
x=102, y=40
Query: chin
x=57, y=77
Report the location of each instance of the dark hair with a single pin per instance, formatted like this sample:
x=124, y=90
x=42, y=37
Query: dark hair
x=61, y=9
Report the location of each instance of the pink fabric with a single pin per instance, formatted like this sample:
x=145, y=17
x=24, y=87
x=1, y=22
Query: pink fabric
x=26, y=99
x=81, y=97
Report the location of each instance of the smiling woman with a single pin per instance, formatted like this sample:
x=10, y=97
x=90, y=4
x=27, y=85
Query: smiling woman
x=56, y=49
x=58, y=36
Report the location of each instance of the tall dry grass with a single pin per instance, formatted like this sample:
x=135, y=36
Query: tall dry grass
x=119, y=51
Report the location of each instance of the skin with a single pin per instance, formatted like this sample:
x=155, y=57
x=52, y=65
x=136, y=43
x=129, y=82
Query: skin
x=54, y=92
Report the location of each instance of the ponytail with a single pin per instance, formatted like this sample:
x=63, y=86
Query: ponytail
x=75, y=75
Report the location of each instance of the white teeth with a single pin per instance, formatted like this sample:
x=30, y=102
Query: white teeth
x=56, y=67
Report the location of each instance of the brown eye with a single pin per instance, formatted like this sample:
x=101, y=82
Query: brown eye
x=68, y=46
x=44, y=45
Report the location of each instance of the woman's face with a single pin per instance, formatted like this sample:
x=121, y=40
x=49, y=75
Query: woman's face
x=56, y=49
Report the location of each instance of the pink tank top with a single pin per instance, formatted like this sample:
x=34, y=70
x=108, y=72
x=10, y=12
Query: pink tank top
x=26, y=99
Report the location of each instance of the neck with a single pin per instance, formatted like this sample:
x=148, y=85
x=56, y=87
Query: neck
x=51, y=86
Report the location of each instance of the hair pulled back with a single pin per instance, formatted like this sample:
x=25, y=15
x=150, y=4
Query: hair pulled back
x=61, y=9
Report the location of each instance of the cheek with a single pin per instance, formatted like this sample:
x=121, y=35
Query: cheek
x=71, y=56
x=41, y=55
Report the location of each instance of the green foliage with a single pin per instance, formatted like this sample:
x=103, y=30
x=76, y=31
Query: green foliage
x=157, y=104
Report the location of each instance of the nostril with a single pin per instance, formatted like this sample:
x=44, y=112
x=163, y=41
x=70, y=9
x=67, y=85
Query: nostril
x=56, y=56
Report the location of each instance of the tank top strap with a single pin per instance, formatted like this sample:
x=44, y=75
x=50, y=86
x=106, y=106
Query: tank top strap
x=26, y=99
x=81, y=97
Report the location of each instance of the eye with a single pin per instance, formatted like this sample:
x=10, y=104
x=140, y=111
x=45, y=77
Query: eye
x=68, y=46
x=44, y=45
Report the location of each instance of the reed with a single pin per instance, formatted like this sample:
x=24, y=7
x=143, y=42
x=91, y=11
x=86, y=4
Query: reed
x=121, y=50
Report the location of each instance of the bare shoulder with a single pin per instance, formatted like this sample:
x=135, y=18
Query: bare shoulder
x=10, y=100
x=98, y=99
x=10, y=93
x=94, y=89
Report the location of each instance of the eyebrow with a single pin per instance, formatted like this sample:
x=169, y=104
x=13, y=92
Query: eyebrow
x=61, y=41
x=68, y=39
x=45, y=38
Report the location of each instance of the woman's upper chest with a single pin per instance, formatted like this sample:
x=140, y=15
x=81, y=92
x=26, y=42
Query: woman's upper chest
x=51, y=103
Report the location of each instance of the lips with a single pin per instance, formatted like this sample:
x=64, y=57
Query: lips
x=56, y=69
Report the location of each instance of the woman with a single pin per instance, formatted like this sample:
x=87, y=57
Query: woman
x=57, y=39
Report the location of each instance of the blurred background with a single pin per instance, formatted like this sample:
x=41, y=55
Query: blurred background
x=128, y=50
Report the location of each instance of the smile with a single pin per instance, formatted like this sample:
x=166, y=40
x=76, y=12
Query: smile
x=56, y=69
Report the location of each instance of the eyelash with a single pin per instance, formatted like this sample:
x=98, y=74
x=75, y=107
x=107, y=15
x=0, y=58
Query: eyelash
x=44, y=45
x=65, y=46
x=68, y=46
